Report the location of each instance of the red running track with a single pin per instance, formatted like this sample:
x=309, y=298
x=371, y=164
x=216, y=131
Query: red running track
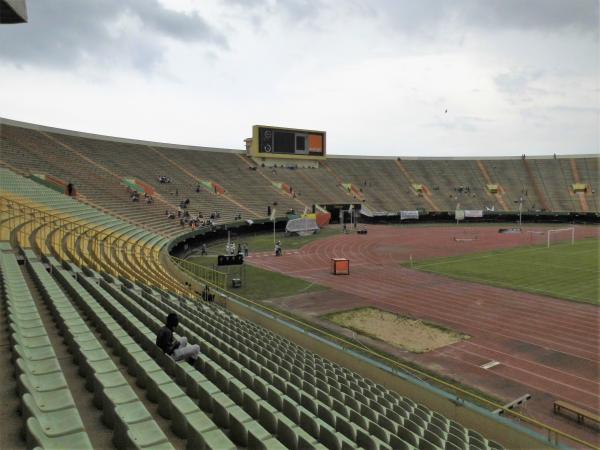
x=547, y=347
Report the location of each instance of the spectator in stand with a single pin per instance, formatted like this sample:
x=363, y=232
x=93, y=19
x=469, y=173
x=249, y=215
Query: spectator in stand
x=206, y=295
x=178, y=349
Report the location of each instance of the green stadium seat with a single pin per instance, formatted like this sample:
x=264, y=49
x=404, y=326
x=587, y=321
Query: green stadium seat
x=146, y=434
x=458, y=441
x=43, y=367
x=58, y=422
x=408, y=436
x=152, y=382
x=168, y=393
x=221, y=408
x=48, y=401
x=111, y=398
x=399, y=444
x=36, y=436
x=44, y=383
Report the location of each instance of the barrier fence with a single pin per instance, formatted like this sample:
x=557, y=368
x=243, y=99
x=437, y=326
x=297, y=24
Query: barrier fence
x=205, y=274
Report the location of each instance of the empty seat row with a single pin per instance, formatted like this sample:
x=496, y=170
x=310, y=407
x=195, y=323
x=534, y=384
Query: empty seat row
x=47, y=406
x=122, y=410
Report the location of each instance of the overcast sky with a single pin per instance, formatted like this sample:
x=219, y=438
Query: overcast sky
x=515, y=76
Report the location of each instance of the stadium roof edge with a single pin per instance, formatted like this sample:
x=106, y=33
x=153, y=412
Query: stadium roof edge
x=13, y=11
x=83, y=134
x=464, y=158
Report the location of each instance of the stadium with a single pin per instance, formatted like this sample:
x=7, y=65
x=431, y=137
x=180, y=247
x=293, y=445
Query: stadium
x=338, y=301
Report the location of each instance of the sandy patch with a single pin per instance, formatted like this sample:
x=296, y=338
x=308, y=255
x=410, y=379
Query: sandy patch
x=403, y=332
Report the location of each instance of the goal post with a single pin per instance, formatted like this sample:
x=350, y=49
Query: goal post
x=562, y=232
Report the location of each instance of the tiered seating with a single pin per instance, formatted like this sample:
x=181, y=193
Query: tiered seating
x=96, y=166
x=386, y=189
x=249, y=388
x=557, y=178
x=247, y=187
x=72, y=230
x=589, y=172
x=47, y=406
x=293, y=392
x=121, y=408
x=240, y=392
x=314, y=185
x=94, y=182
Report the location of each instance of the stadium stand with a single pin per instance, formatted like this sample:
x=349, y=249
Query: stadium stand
x=93, y=285
x=96, y=165
x=240, y=392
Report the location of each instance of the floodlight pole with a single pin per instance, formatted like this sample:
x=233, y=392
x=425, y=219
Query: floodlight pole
x=520, y=210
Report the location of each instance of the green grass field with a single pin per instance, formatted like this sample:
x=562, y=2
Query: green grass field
x=263, y=242
x=564, y=271
x=260, y=284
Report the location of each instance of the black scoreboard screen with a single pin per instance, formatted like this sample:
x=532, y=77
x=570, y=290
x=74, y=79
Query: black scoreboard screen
x=278, y=141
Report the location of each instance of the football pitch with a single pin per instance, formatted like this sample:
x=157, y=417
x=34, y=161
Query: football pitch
x=566, y=271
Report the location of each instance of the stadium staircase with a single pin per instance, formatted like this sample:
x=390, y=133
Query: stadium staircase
x=498, y=196
x=589, y=170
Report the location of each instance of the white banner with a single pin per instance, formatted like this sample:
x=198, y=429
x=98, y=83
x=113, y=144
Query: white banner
x=473, y=213
x=409, y=215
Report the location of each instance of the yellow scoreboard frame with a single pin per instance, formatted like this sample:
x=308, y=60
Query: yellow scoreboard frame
x=288, y=143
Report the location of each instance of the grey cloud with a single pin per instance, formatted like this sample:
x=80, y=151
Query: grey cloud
x=297, y=11
x=429, y=17
x=64, y=33
x=426, y=16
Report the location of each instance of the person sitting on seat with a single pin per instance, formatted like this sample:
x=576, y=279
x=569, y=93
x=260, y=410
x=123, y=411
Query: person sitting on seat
x=178, y=349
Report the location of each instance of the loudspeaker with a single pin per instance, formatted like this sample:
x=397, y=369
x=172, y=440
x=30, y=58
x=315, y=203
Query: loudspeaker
x=266, y=140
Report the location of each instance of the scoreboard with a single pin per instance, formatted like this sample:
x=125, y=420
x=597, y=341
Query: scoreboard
x=277, y=142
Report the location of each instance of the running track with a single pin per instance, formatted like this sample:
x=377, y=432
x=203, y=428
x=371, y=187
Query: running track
x=547, y=347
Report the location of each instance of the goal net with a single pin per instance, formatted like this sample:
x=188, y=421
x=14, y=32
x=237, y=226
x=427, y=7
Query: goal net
x=560, y=235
